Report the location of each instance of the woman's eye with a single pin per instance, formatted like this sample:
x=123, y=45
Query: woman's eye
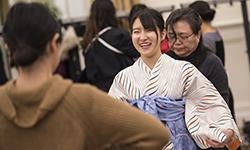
x=136, y=32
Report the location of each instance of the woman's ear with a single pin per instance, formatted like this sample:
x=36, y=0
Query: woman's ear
x=198, y=37
x=54, y=45
x=199, y=34
x=163, y=35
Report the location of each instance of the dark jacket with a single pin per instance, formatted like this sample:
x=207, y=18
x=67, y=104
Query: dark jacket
x=102, y=64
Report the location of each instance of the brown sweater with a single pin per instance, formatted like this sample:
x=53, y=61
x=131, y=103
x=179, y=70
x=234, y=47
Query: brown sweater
x=61, y=115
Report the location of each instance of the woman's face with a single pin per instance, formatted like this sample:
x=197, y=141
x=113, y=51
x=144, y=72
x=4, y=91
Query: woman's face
x=182, y=41
x=145, y=41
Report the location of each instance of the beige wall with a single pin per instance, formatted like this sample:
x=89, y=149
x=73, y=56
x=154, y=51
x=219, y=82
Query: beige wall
x=237, y=66
x=124, y=5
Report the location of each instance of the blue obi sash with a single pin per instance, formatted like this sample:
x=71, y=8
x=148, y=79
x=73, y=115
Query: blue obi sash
x=171, y=113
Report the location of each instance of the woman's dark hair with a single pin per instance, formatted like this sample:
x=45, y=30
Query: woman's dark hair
x=135, y=9
x=184, y=14
x=102, y=14
x=203, y=9
x=150, y=19
x=27, y=30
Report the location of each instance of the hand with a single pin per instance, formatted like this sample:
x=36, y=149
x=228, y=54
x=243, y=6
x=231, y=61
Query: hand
x=215, y=144
x=233, y=142
x=229, y=138
x=229, y=134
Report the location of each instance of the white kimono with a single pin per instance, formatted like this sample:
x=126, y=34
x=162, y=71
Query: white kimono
x=206, y=112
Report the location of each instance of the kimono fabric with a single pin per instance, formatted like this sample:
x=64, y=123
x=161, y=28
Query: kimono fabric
x=179, y=80
x=171, y=113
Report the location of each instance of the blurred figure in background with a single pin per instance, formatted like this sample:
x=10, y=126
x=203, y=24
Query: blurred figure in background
x=108, y=48
x=211, y=36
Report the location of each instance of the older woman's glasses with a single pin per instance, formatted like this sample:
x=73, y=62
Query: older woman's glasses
x=172, y=37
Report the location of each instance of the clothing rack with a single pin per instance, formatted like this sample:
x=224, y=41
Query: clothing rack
x=215, y=2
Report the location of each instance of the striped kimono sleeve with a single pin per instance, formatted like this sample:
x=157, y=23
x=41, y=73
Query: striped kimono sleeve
x=206, y=112
x=123, y=88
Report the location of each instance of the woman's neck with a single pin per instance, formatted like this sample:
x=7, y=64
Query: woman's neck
x=151, y=61
x=207, y=27
x=34, y=75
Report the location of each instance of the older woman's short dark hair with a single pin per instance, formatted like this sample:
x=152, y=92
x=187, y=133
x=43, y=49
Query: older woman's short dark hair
x=186, y=14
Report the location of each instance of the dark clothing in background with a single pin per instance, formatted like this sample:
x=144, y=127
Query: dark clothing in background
x=214, y=42
x=102, y=64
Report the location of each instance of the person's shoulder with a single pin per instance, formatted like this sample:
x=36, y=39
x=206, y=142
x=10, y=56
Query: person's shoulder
x=118, y=32
x=212, y=59
x=4, y=88
x=213, y=36
x=172, y=61
x=125, y=71
x=177, y=66
x=83, y=94
x=83, y=89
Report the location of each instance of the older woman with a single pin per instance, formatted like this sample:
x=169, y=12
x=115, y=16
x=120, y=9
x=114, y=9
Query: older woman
x=185, y=39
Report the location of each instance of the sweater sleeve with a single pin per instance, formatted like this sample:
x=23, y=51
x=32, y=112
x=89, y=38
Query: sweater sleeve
x=120, y=126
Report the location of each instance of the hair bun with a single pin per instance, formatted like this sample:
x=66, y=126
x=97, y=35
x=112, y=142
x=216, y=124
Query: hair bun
x=204, y=10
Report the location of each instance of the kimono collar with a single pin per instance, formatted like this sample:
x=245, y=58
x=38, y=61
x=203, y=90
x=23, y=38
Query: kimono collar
x=146, y=69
